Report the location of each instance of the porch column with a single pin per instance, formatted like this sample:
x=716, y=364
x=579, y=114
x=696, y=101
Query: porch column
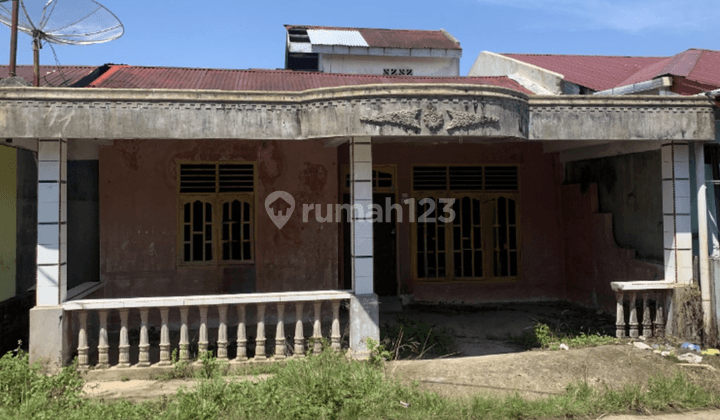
x=676, y=212
x=48, y=326
x=364, y=314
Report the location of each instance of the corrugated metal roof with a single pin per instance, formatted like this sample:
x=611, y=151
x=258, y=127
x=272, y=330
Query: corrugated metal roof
x=395, y=38
x=607, y=72
x=52, y=76
x=265, y=80
x=592, y=71
x=333, y=37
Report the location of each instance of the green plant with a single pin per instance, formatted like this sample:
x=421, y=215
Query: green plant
x=377, y=352
x=124, y=378
x=180, y=368
x=210, y=366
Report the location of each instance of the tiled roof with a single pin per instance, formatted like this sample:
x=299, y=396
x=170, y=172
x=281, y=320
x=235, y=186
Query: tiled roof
x=594, y=72
x=396, y=38
x=52, y=76
x=265, y=80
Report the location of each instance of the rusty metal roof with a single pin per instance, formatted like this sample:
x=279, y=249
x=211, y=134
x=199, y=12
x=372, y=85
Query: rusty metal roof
x=592, y=71
x=395, y=38
x=264, y=80
x=606, y=72
x=53, y=76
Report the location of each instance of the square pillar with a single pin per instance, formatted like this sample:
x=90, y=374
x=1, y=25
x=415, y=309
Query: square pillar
x=364, y=313
x=677, y=229
x=48, y=323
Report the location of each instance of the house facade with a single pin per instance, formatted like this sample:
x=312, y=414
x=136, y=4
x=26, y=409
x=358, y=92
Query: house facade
x=234, y=204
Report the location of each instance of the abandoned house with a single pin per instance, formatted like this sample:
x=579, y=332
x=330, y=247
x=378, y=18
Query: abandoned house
x=198, y=206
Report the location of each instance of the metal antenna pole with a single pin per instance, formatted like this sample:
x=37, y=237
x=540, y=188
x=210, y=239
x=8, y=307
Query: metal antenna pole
x=13, y=38
x=36, y=60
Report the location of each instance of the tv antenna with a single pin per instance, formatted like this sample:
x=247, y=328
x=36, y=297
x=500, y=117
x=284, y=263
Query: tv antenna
x=68, y=22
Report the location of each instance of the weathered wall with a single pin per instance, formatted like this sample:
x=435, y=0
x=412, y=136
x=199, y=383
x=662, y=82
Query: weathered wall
x=8, y=221
x=138, y=222
x=592, y=258
x=629, y=188
x=542, y=251
x=368, y=64
x=27, y=213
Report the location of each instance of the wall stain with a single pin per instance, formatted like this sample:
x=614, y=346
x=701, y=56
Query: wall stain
x=129, y=149
x=270, y=162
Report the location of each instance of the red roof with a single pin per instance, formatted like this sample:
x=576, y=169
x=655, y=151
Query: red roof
x=592, y=71
x=52, y=76
x=265, y=80
x=695, y=67
x=396, y=38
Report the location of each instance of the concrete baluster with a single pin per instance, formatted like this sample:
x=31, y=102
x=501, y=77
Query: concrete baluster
x=241, y=335
x=335, y=333
x=634, y=333
x=660, y=315
x=299, y=349
x=164, y=338
x=222, y=342
x=260, y=339
x=103, y=346
x=203, y=342
x=317, y=330
x=280, y=332
x=144, y=347
x=83, y=361
x=184, y=334
x=620, y=315
x=124, y=346
x=647, y=321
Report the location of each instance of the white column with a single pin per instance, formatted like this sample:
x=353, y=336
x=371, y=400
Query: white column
x=676, y=212
x=361, y=228
x=705, y=282
x=364, y=313
x=52, y=223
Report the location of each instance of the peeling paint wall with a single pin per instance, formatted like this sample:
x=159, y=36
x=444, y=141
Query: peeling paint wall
x=541, y=254
x=138, y=218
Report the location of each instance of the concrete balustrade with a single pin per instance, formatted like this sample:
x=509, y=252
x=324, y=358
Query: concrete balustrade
x=655, y=295
x=206, y=306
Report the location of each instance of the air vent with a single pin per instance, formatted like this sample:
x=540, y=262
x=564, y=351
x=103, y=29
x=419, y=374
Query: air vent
x=298, y=35
x=210, y=178
x=501, y=178
x=236, y=178
x=197, y=178
x=464, y=178
x=429, y=178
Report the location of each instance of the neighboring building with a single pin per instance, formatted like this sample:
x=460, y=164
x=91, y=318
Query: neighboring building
x=389, y=52
x=195, y=169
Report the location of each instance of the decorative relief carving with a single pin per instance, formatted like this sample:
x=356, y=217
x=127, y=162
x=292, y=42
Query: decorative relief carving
x=433, y=119
x=409, y=120
x=460, y=120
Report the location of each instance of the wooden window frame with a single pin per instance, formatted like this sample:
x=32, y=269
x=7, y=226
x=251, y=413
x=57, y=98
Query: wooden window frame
x=216, y=199
x=485, y=197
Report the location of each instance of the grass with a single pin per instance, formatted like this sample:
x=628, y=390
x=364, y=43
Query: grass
x=542, y=336
x=328, y=386
x=410, y=338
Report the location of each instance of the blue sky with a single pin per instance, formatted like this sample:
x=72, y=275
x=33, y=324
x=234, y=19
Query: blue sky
x=250, y=34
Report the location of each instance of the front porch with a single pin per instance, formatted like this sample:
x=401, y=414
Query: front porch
x=182, y=191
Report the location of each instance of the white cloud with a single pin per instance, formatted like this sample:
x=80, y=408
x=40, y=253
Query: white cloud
x=628, y=15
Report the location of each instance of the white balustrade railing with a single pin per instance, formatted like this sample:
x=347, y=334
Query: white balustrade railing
x=220, y=303
x=656, y=302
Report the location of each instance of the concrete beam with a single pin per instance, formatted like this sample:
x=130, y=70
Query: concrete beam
x=605, y=149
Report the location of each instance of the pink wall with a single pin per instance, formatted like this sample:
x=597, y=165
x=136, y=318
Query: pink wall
x=138, y=218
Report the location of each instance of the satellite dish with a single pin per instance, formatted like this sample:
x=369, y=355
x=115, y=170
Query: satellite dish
x=69, y=22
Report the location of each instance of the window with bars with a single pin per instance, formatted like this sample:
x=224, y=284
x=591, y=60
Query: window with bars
x=397, y=72
x=216, y=203
x=481, y=240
